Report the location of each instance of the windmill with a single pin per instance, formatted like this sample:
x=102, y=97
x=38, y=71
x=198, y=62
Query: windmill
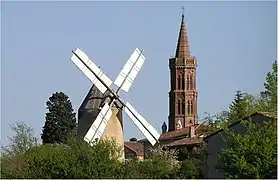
x=123, y=81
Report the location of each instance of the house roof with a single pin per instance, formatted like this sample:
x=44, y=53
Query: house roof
x=186, y=141
x=180, y=132
x=135, y=146
x=266, y=114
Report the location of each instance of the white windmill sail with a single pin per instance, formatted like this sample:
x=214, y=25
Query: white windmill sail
x=97, y=128
x=149, y=132
x=123, y=81
x=130, y=70
x=82, y=61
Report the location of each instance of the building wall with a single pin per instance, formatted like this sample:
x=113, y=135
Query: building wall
x=114, y=130
x=217, y=142
x=129, y=154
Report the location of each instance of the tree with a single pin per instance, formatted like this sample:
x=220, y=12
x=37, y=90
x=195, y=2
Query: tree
x=191, y=169
x=238, y=108
x=193, y=165
x=243, y=105
x=75, y=160
x=60, y=119
x=270, y=93
x=162, y=164
x=23, y=140
x=13, y=165
x=253, y=154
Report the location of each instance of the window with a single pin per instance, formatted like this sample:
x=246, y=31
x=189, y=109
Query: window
x=187, y=82
x=191, y=108
x=182, y=82
x=179, y=106
x=188, y=107
x=191, y=82
x=183, y=107
x=179, y=82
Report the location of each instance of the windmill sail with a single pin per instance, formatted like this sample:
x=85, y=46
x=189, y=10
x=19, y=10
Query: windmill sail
x=124, y=82
x=90, y=69
x=97, y=128
x=130, y=70
x=149, y=132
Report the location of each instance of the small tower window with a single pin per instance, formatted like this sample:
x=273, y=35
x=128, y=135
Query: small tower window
x=183, y=107
x=191, y=107
x=179, y=82
x=187, y=83
x=182, y=82
x=191, y=82
x=188, y=107
x=179, y=106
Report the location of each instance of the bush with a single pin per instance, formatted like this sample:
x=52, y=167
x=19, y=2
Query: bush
x=163, y=164
x=191, y=169
x=13, y=167
x=75, y=160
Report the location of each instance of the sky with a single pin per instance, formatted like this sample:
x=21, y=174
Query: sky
x=234, y=43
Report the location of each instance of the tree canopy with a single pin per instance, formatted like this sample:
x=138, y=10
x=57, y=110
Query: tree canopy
x=60, y=119
x=252, y=155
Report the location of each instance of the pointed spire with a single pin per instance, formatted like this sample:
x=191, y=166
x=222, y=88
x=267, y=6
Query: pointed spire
x=182, y=46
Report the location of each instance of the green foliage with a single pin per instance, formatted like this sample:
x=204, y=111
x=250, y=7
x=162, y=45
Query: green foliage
x=48, y=161
x=253, y=154
x=23, y=139
x=13, y=167
x=60, y=120
x=193, y=164
x=191, y=169
x=72, y=161
x=12, y=161
x=238, y=109
x=75, y=160
x=163, y=164
x=270, y=93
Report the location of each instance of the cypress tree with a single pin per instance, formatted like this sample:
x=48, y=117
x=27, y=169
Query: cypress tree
x=60, y=119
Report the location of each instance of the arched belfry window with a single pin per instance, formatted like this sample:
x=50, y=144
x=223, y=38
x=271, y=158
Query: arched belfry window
x=191, y=108
x=183, y=106
x=187, y=82
x=179, y=81
x=191, y=82
x=188, y=107
x=182, y=82
x=179, y=106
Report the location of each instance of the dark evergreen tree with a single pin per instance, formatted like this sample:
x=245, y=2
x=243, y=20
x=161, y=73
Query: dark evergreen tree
x=238, y=109
x=60, y=121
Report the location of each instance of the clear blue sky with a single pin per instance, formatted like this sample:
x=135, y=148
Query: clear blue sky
x=234, y=42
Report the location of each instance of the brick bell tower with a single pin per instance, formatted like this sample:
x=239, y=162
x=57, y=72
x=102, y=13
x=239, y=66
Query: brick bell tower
x=183, y=93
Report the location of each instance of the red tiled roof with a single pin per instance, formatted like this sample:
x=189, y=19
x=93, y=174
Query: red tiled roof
x=137, y=147
x=186, y=141
x=183, y=131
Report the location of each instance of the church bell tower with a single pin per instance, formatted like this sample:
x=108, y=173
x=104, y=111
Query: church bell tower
x=183, y=92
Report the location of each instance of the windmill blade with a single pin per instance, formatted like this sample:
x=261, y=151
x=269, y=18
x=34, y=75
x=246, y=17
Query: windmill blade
x=97, y=128
x=149, y=132
x=90, y=69
x=130, y=70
